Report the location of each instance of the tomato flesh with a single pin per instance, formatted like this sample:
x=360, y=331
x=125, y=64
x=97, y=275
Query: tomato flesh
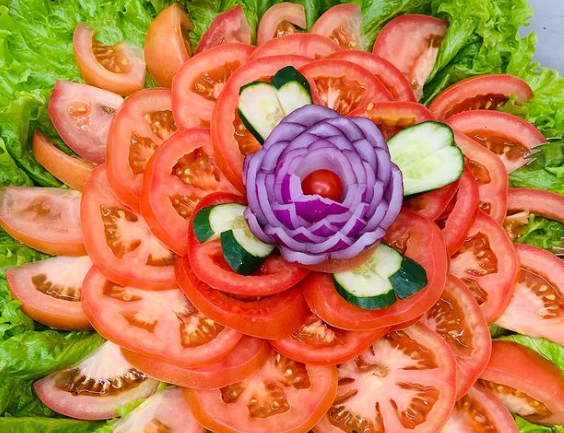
x=324, y=183
x=342, y=24
x=301, y=44
x=228, y=26
x=434, y=203
x=281, y=20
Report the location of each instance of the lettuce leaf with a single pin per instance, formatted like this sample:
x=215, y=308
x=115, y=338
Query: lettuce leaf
x=45, y=425
x=527, y=427
x=543, y=232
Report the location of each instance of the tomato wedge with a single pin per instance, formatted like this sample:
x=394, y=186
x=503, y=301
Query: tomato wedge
x=318, y=343
x=458, y=319
x=180, y=173
x=47, y=219
x=119, y=242
x=405, y=382
x=482, y=92
x=479, y=411
x=118, y=68
x=82, y=115
x=342, y=24
x=490, y=174
x=94, y=388
x=411, y=234
x=162, y=325
x=300, y=44
x=244, y=360
x=514, y=374
x=229, y=26
x=283, y=396
x=271, y=317
x=72, y=171
x=142, y=123
x=488, y=265
x=166, y=44
x=200, y=81
x=434, y=203
x=50, y=291
x=411, y=43
x=281, y=20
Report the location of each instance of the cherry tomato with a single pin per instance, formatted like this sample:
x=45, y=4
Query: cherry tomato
x=342, y=24
x=300, y=44
x=229, y=26
x=324, y=183
x=281, y=20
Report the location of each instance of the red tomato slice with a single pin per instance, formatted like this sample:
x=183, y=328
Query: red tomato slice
x=488, y=265
x=433, y=204
x=281, y=20
x=231, y=140
x=413, y=235
x=411, y=43
x=393, y=116
x=119, y=242
x=82, y=115
x=229, y=26
x=479, y=411
x=490, y=174
x=344, y=86
x=318, y=343
x=271, y=317
x=166, y=44
x=179, y=174
x=405, y=382
x=509, y=137
x=334, y=266
x=514, y=375
x=537, y=306
x=387, y=73
x=300, y=44
x=165, y=411
x=244, y=360
x=72, y=171
x=482, y=92
x=201, y=80
x=342, y=24
x=118, y=68
x=50, y=291
x=142, y=123
x=283, y=396
x=162, y=325
x=94, y=388
x=458, y=319
x=47, y=219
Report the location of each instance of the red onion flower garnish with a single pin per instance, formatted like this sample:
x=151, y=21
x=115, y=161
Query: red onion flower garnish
x=310, y=229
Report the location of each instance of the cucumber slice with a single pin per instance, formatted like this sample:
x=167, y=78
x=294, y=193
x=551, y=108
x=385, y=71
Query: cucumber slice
x=293, y=95
x=211, y=221
x=427, y=156
x=409, y=279
x=243, y=251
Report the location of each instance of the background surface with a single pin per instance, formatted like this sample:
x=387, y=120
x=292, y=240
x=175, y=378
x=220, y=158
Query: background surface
x=548, y=22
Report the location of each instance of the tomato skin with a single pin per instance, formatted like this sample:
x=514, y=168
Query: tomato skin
x=433, y=204
x=324, y=183
x=536, y=201
x=228, y=26
x=284, y=14
x=301, y=44
x=342, y=24
x=166, y=46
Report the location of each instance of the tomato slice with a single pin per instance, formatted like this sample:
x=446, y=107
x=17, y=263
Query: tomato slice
x=344, y=86
x=514, y=374
x=72, y=171
x=244, y=360
x=165, y=411
x=393, y=116
x=411, y=234
x=458, y=319
x=479, y=411
x=433, y=204
x=166, y=44
x=94, y=388
x=342, y=24
x=490, y=174
x=119, y=242
x=334, y=266
x=405, y=382
x=201, y=80
x=271, y=317
x=181, y=172
x=537, y=306
x=231, y=140
x=283, y=396
x=47, y=219
x=477, y=93
x=162, y=325
x=142, y=123
x=118, y=68
x=411, y=43
x=300, y=44
x=50, y=291
x=281, y=20
x=488, y=265
x=318, y=343
x=229, y=26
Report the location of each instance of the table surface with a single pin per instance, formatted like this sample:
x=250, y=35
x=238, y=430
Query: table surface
x=548, y=23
